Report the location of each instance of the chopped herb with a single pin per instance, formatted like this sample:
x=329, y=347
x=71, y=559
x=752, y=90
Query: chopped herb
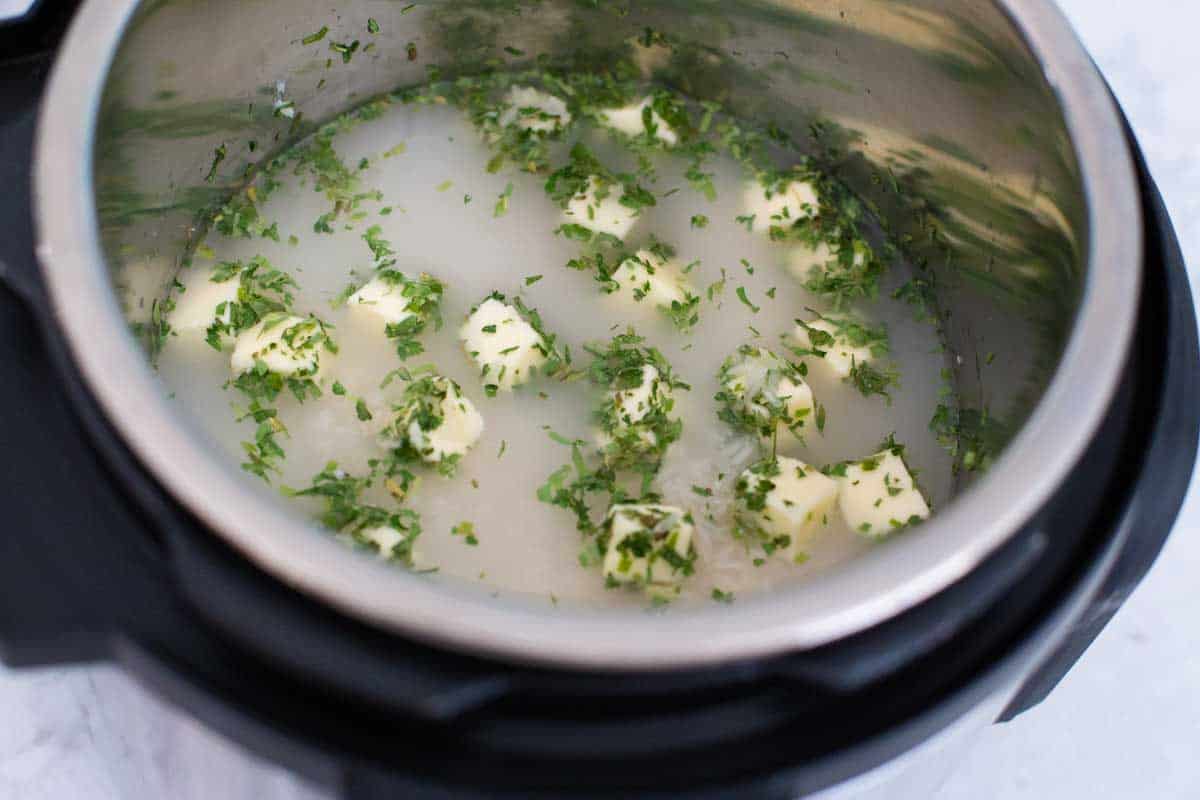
x=467, y=531
x=532, y=279
x=717, y=288
x=421, y=410
x=870, y=380
x=372, y=25
x=752, y=399
x=501, y=207
x=218, y=156
x=722, y=597
x=360, y=408
x=345, y=512
x=699, y=221
x=316, y=36
x=741, y=294
x=444, y=185
x=346, y=51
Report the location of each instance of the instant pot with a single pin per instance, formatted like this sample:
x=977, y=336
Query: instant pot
x=980, y=134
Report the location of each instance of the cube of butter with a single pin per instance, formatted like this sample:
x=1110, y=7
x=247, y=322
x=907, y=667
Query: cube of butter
x=648, y=544
x=878, y=495
x=786, y=503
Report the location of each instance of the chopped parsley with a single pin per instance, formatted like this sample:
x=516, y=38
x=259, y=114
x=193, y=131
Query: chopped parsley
x=501, y=207
x=218, y=156
x=315, y=36
x=636, y=429
x=392, y=532
x=421, y=410
x=467, y=531
x=741, y=295
x=753, y=398
x=345, y=49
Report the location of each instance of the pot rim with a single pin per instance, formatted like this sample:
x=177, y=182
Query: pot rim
x=873, y=588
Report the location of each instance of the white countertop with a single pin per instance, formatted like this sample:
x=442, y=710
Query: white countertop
x=1125, y=723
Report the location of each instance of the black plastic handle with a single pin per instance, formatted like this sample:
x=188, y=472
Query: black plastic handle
x=72, y=563
x=1170, y=459
x=20, y=89
x=36, y=30
x=279, y=625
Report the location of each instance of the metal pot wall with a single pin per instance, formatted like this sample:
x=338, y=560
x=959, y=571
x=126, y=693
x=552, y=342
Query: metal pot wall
x=993, y=120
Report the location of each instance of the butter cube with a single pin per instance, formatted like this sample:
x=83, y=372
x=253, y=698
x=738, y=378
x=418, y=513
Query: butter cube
x=648, y=544
x=878, y=494
x=785, y=503
x=507, y=348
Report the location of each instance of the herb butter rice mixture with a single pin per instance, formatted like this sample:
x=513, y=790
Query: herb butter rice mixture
x=569, y=336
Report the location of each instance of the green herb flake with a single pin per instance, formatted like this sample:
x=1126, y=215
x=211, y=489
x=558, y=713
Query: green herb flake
x=501, y=207
x=218, y=156
x=360, y=408
x=741, y=294
x=722, y=597
x=467, y=531
x=316, y=36
x=717, y=288
x=532, y=279
x=699, y=221
x=345, y=50
x=372, y=25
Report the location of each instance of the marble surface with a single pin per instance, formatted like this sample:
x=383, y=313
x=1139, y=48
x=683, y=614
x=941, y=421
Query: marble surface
x=1124, y=723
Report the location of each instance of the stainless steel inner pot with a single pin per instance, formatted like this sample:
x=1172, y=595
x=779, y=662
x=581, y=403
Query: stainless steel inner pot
x=1017, y=194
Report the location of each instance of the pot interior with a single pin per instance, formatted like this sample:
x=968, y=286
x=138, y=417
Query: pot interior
x=936, y=114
